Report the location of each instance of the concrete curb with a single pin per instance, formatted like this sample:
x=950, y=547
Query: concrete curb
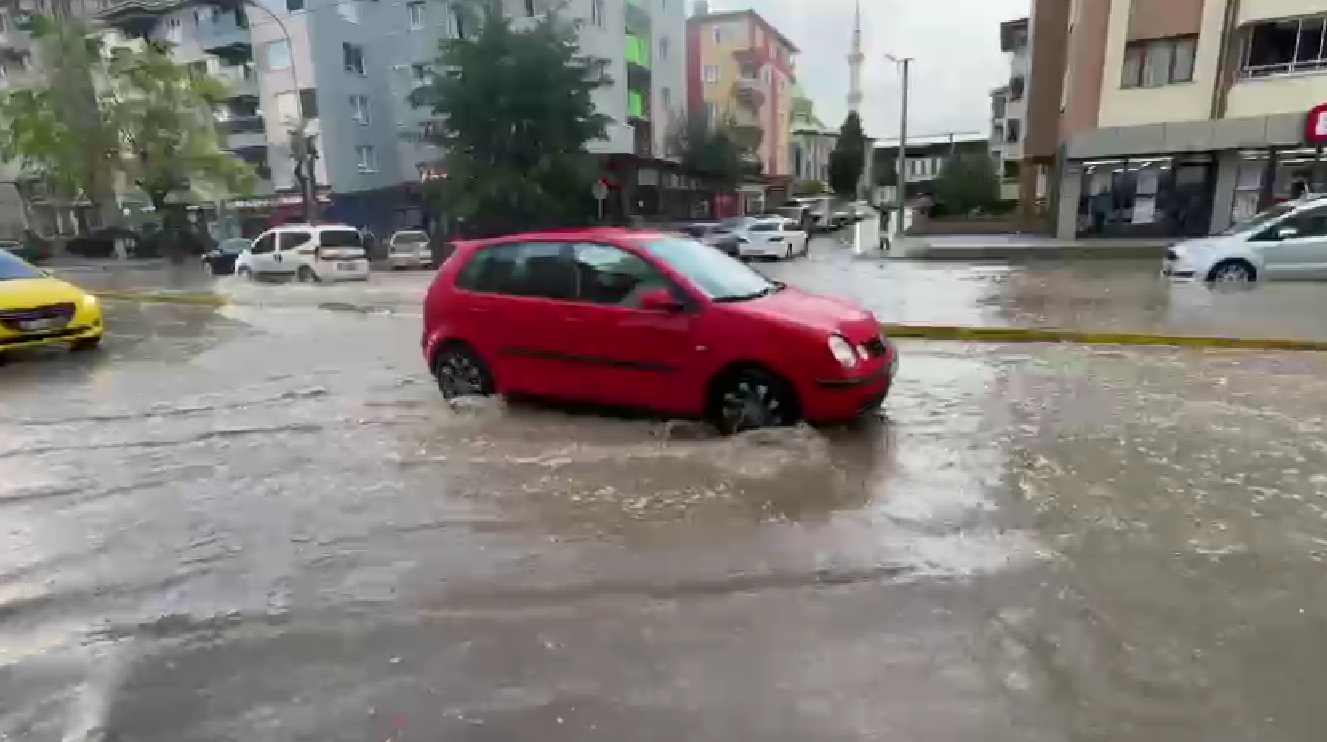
x=923, y=332
x=154, y=297
x=1082, y=337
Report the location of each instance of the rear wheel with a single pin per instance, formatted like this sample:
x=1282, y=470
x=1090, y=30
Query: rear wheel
x=749, y=398
x=460, y=372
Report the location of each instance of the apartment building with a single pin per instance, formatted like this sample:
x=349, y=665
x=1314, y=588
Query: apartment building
x=1178, y=117
x=1009, y=107
x=740, y=67
x=346, y=67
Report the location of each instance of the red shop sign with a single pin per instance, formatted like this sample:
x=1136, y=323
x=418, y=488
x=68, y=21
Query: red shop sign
x=1315, y=125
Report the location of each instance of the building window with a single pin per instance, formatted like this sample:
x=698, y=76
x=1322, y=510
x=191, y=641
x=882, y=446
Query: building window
x=530, y=8
x=287, y=107
x=359, y=108
x=349, y=10
x=666, y=101
x=719, y=35
x=1285, y=46
x=997, y=106
x=276, y=54
x=710, y=73
x=416, y=11
x=353, y=57
x=1013, y=130
x=1009, y=171
x=663, y=49
x=366, y=159
x=1017, y=85
x=997, y=133
x=597, y=12
x=420, y=73
x=1157, y=62
x=308, y=103
x=294, y=5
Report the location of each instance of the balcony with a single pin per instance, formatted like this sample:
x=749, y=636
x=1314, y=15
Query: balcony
x=226, y=39
x=638, y=106
x=241, y=82
x=136, y=18
x=750, y=92
x=642, y=138
x=243, y=133
x=638, y=19
x=752, y=57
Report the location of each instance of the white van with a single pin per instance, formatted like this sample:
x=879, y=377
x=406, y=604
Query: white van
x=306, y=252
x=1287, y=241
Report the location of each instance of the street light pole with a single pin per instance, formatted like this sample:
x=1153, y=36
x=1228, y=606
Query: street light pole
x=901, y=192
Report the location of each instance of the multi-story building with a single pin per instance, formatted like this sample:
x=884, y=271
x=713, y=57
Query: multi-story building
x=1177, y=117
x=740, y=67
x=811, y=142
x=1009, y=108
x=346, y=68
x=926, y=157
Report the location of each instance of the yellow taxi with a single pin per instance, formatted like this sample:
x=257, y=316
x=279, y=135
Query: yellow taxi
x=38, y=309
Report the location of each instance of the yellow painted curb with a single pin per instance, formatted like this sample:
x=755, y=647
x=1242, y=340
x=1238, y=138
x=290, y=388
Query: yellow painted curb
x=208, y=300
x=1053, y=335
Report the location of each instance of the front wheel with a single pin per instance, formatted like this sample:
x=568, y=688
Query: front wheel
x=752, y=398
x=85, y=344
x=245, y=273
x=1231, y=271
x=305, y=274
x=460, y=372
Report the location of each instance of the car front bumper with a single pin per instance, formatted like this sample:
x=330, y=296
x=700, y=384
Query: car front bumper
x=409, y=260
x=85, y=324
x=342, y=270
x=763, y=249
x=853, y=395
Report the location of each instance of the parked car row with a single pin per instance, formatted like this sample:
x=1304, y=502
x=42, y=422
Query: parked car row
x=307, y=252
x=751, y=236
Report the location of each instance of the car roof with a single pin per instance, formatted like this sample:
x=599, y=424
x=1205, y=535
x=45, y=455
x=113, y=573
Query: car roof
x=311, y=227
x=602, y=234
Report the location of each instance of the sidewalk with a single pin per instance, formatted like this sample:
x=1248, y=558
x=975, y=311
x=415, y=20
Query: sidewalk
x=1024, y=247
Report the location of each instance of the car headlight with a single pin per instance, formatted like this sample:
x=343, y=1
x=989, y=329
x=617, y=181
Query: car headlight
x=89, y=300
x=842, y=351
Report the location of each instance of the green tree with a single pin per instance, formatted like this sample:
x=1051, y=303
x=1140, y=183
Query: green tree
x=709, y=147
x=514, y=118
x=848, y=159
x=53, y=128
x=967, y=183
x=165, y=115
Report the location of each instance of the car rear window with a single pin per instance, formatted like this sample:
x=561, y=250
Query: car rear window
x=340, y=238
x=411, y=238
x=765, y=227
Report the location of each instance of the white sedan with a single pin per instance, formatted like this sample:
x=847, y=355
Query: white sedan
x=1287, y=241
x=769, y=237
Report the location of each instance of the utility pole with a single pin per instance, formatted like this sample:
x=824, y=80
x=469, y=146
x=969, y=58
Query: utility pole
x=901, y=196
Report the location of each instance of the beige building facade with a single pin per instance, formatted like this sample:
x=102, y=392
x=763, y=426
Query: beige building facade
x=1178, y=117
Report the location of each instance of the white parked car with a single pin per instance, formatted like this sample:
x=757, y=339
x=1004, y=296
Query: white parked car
x=1287, y=241
x=409, y=248
x=307, y=252
x=768, y=237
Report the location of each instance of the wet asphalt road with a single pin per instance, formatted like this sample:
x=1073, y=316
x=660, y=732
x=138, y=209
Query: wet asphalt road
x=261, y=523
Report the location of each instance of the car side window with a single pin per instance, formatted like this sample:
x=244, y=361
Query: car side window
x=765, y=227
x=611, y=275
x=534, y=269
x=1310, y=223
x=292, y=240
x=264, y=244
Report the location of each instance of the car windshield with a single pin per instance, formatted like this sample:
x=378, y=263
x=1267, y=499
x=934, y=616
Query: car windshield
x=340, y=238
x=235, y=245
x=12, y=267
x=1261, y=219
x=411, y=238
x=721, y=278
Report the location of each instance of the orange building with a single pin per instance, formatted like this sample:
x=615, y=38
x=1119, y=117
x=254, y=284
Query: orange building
x=740, y=67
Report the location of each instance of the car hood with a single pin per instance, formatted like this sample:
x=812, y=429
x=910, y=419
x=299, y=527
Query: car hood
x=22, y=293
x=794, y=307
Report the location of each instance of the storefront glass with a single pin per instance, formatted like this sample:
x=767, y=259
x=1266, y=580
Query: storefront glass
x=1146, y=196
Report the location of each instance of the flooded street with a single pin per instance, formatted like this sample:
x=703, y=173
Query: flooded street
x=262, y=522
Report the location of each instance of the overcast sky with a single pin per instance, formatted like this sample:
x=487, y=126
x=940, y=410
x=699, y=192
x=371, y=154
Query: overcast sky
x=955, y=43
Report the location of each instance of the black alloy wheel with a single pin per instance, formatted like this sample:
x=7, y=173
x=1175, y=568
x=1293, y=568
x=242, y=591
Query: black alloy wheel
x=462, y=373
x=753, y=398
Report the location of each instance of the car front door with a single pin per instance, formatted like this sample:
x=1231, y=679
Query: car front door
x=514, y=313
x=261, y=254
x=631, y=355
x=1300, y=246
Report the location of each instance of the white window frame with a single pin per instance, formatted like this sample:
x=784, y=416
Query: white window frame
x=416, y=13
x=1295, y=66
x=362, y=69
x=1135, y=71
x=366, y=158
x=267, y=54
x=597, y=11
x=359, y=108
x=710, y=73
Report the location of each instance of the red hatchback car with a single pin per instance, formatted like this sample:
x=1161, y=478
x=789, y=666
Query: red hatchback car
x=648, y=320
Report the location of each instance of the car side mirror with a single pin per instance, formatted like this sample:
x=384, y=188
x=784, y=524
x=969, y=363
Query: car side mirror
x=1285, y=233
x=659, y=300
